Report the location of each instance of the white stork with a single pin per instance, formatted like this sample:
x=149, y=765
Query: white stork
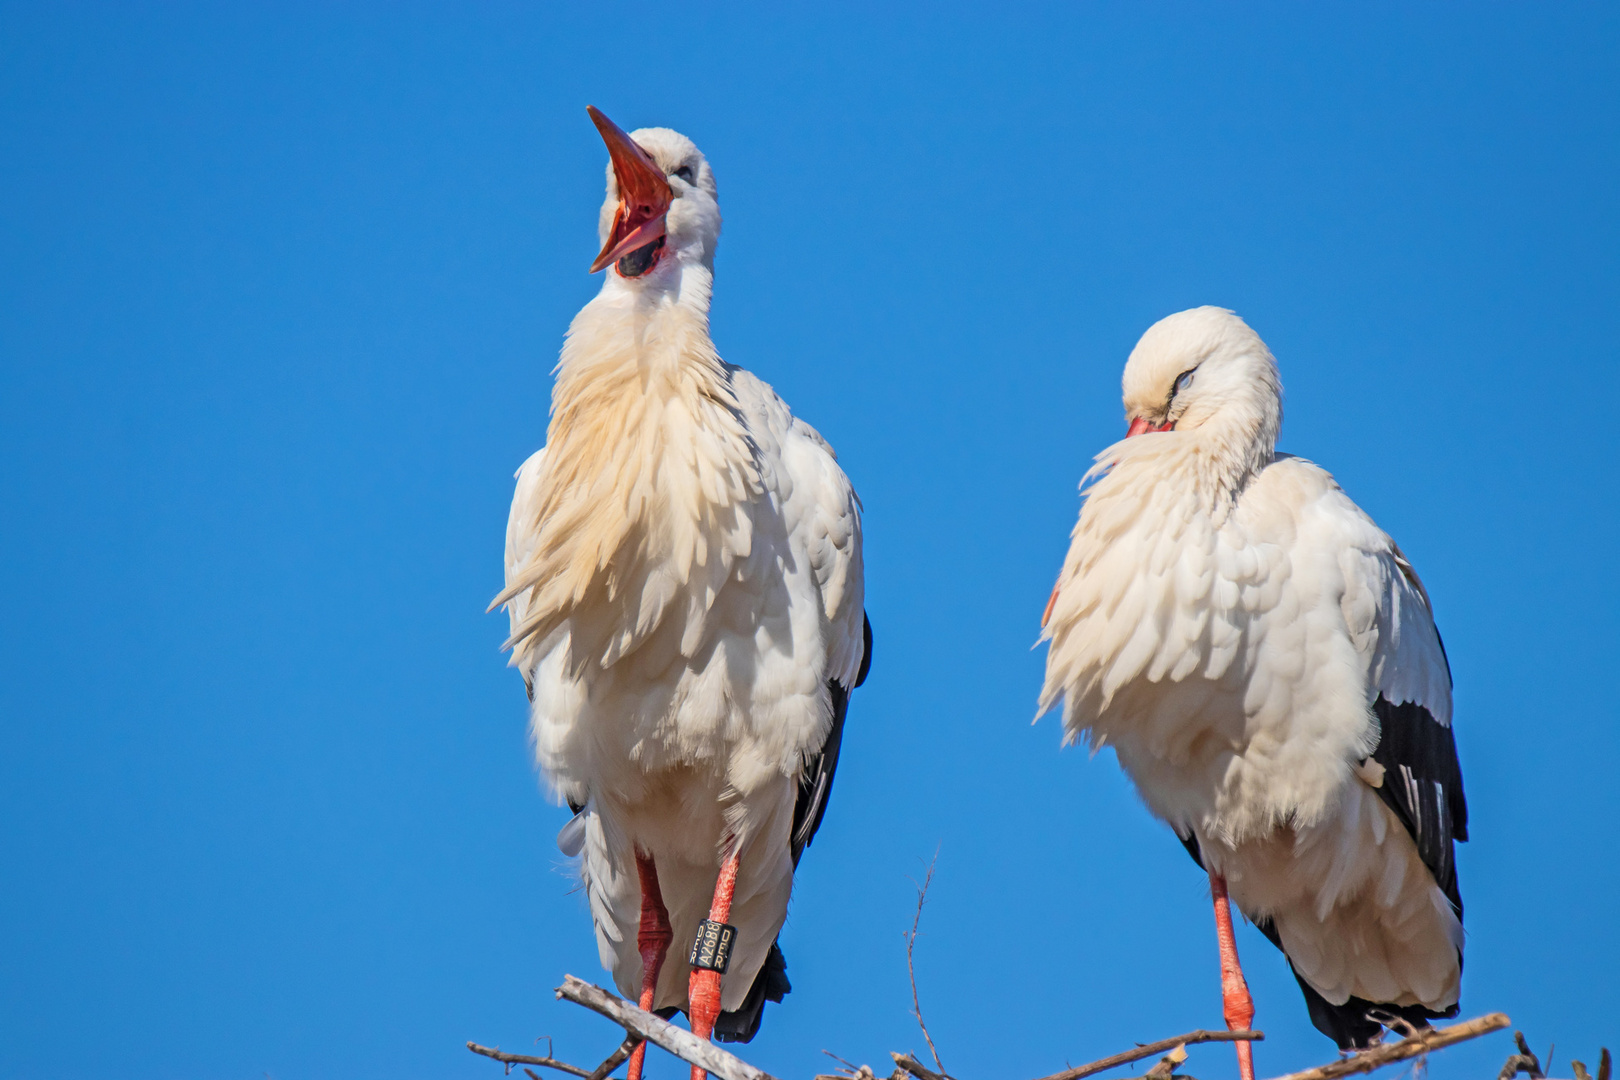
x=685, y=587
x=1265, y=663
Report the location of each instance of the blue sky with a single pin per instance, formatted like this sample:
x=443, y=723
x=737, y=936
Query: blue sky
x=282, y=294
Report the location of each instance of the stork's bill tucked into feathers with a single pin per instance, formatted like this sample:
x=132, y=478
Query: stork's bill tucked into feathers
x=1264, y=661
x=685, y=588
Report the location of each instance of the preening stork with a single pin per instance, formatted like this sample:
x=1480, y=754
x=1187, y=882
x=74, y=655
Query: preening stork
x=1265, y=664
x=685, y=588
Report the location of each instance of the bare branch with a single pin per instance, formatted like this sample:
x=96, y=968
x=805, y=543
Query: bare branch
x=617, y=1058
x=1522, y=1062
x=1149, y=1049
x=1167, y=1065
x=852, y=1071
x=848, y=1065
x=911, y=941
x=660, y=1032
x=910, y=1064
x=1605, y=1065
x=527, y=1059
x=1422, y=1043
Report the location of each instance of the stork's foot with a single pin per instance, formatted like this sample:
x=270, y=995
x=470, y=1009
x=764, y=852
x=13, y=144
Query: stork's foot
x=703, y=988
x=652, y=940
x=1236, y=1005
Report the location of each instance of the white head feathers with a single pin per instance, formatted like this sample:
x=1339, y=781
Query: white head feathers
x=1205, y=370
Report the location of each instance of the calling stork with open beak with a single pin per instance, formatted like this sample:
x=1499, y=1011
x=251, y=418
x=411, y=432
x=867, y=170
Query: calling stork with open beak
x=685, y=588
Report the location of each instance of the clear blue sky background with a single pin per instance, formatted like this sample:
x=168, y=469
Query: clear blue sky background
x=282, y=292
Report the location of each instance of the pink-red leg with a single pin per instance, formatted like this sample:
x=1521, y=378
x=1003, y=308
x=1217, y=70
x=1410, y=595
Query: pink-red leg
x=1236, y=1003
x=652, y=939
x=703, y=989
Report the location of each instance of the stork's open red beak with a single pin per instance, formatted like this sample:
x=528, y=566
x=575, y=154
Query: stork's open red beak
x=1141, y=424
x=644, y=194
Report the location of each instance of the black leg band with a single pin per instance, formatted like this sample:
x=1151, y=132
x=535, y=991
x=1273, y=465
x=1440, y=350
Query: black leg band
x=711, y=949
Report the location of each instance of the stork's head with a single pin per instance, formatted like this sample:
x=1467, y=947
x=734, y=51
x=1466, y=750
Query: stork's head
x=1203, y=367
x=661, y=207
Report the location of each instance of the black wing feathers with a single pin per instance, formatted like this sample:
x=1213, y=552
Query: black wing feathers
x=1423, y=786
x=771, y=984
x=816, y=784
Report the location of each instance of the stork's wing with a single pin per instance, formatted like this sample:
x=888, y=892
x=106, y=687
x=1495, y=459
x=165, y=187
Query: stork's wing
x=816, y=783
x=825, y=514
x=1416, y=773
x=521, y=538
x=823, y=518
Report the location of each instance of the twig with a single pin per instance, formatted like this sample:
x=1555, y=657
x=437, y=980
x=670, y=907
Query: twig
x=1167, y=1065
x=910, y=1064
x=1395, y=1022
x=911, y=941
x=1149, y=1049
x=852, y=1071
x=660, y=1032
x=617, y=1058
x=1605, y=1064
x=1522, y=1062
x=527, y=1059
x=1422, y=1043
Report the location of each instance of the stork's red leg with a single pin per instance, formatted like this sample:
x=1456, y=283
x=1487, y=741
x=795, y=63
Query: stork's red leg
x=703, y=989
x=1236, y=1003
x=653, y=942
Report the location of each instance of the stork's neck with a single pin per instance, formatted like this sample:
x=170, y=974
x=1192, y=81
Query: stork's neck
x=638, y=374
x=1236, y=445
x=648, y=463
x=636, y=336
x=680, y=284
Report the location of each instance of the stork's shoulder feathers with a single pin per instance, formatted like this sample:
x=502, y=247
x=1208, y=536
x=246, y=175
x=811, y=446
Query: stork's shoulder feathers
x=820, y=511
x=1385, y=607
x=521, y=538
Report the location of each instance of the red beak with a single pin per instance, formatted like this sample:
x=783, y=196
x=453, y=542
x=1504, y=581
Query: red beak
x=1141, y=425
x=644, y=194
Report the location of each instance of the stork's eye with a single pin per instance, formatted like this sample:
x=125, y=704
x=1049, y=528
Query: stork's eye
x=1183, y=381
x=684, y=172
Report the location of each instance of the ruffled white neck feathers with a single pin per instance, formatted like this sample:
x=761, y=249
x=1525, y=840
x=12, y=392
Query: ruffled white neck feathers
x=648, y=471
